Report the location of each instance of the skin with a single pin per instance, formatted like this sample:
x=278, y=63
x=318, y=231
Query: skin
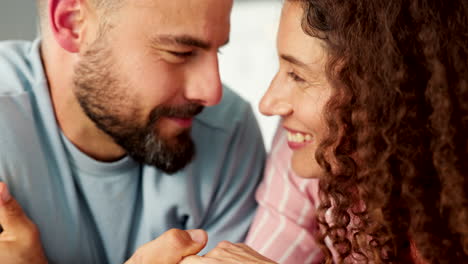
x=159, y=53
x=300, y=90
x=20, y=238
x=298, y=93
x=227, y=252
x=152, y=66
x=170, y=247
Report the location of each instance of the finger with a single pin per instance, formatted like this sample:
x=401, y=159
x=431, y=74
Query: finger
x=245, y=247
x=191, y=260
x=200, y=260
x=198, y=235
x=221, y=250
x=12, y=217
x=188, y=242
x=171, y=247
x=235, y=247
x=237, y=253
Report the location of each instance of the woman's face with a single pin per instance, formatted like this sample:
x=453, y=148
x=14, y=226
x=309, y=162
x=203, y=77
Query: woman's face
x=299, y=91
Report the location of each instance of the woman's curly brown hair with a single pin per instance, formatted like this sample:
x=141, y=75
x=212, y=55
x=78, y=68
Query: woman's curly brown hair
x=396, y=159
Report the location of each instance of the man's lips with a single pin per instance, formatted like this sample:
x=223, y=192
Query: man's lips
x=183, y=122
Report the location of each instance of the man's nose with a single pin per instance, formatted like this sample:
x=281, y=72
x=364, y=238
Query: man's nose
x=205, y=85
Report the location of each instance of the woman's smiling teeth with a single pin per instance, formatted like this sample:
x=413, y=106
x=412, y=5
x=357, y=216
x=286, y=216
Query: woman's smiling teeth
x=299, y=137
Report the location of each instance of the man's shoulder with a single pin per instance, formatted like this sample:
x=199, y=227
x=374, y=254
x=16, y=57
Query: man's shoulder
x=232, y=110
x=16, y=72
x=15, y=79
x=16, y=117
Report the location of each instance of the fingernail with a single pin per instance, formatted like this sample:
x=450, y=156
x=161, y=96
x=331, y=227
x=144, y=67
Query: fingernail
x=5, y=194
x=198, y=235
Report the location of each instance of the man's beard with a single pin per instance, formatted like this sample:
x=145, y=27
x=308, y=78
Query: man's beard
x=104, y=99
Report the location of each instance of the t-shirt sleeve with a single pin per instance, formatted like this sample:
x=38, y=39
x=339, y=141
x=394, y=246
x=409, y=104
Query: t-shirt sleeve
x=285, y=224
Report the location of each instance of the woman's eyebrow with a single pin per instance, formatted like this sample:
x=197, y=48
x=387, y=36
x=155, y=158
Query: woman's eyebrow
x=294, y=60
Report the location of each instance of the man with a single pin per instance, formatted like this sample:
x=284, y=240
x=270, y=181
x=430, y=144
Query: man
x=100, y=121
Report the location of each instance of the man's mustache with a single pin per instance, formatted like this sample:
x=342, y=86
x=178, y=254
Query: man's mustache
x=186, y=111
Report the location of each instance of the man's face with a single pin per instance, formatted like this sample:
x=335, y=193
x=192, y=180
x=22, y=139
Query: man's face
x=152, y=68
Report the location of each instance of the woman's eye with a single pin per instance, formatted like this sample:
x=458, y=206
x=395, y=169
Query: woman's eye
x=295, y=77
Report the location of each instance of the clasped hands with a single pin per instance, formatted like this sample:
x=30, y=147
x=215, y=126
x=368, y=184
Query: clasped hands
x=20, y=243
x=179, y=246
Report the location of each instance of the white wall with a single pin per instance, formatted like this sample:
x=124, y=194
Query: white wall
x=247, y=63
x=17, y=19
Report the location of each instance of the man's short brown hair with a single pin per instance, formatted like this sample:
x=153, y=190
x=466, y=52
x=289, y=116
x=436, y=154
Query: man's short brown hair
x=99, y=4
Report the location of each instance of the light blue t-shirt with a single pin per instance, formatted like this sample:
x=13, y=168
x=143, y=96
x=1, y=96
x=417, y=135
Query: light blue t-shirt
x=95, y=212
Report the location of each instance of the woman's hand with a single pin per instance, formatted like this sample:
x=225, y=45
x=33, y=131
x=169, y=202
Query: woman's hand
x=227, y=252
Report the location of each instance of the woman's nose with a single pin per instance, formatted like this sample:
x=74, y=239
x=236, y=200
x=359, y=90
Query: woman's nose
x=276, y=100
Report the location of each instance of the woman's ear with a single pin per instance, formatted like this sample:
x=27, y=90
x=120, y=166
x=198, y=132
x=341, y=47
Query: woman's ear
x=66, y=21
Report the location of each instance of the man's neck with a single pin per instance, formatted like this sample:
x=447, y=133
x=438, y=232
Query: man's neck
x=74, y=123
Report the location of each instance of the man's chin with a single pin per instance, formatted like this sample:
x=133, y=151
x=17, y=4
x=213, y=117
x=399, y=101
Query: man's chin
x=168, y=154
x=175, y=140
x=172, y=162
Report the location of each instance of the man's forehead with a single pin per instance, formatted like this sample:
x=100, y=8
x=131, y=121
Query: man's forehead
x=184, y=22
x=184, y=11
x=179, y=5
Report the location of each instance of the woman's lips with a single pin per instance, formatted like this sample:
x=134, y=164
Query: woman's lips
x=297, y=140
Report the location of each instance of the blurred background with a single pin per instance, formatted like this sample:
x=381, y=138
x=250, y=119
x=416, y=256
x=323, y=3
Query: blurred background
x=247, y=63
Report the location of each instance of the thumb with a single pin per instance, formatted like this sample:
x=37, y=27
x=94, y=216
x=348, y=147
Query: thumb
x=171, y=247
x=177, y=244
x=12, y=217
x=199, y=236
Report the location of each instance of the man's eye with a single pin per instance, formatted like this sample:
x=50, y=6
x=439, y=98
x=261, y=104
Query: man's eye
x=295, y=77
x=181, y=54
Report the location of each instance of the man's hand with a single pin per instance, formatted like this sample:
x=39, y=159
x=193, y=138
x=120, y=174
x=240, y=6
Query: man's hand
x=19, y=241
x=171, y=247
x=227, y=253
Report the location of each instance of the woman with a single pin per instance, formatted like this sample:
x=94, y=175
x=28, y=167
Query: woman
x=374, y=98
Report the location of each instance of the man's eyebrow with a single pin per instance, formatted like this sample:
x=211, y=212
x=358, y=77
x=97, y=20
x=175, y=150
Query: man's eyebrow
x=293, y=60
x=183, y=40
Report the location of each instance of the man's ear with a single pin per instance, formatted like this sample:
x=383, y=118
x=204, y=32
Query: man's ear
x=66, y=21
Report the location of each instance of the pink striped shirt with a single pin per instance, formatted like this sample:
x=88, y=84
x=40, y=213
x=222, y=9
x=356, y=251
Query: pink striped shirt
x=284, y=226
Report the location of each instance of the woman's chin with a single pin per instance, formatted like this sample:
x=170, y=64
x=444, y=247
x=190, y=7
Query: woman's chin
x=305, y=169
